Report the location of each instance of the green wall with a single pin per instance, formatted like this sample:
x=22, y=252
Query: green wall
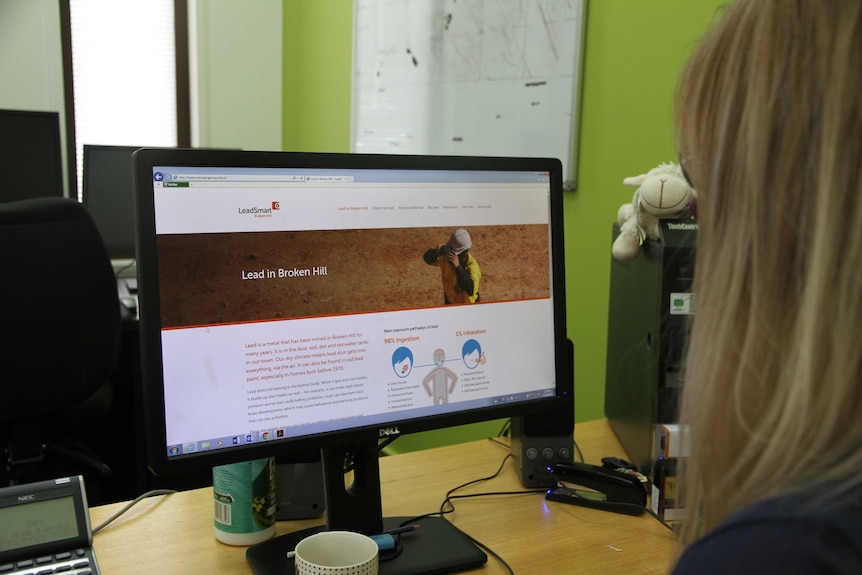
x=634, y=50
x=633, y=54
x=318, y=65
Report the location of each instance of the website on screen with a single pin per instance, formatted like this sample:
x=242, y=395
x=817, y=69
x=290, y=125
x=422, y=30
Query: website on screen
x=293, y=304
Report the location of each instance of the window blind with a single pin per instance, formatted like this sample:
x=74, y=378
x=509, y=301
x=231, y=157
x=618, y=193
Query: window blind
x=124, y=69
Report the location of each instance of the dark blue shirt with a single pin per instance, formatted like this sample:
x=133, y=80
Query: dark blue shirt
x=787, y=535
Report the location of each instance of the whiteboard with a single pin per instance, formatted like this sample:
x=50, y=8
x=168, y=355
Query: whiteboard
x=467, y=77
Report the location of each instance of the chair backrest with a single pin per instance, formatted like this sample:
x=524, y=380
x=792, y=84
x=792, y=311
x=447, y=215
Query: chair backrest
x=60, y=327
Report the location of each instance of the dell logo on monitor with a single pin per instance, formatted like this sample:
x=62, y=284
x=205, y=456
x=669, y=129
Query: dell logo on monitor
x=388, y=431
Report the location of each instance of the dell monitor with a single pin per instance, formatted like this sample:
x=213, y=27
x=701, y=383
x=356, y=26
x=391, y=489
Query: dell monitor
x=109, y=195
x=291, y=301
x=31, y=165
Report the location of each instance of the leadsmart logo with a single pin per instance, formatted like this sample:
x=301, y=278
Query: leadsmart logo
x=259, y=212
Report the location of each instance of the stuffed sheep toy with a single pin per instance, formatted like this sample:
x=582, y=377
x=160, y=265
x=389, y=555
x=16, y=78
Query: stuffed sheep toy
x=663, y=192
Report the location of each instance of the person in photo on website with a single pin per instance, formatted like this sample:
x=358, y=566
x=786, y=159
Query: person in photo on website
x=459, y=270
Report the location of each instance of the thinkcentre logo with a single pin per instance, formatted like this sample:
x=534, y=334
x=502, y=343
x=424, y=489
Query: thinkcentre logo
x=681, y=226
x=260, y=212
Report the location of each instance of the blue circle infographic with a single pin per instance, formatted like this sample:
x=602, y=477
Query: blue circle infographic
x=471, y=353
x=402, y=361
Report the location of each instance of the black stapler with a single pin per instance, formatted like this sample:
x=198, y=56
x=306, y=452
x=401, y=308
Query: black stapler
x=611, y=490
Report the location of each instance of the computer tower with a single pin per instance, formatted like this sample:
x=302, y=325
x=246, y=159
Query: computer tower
x=543, y=439
x=650, y=309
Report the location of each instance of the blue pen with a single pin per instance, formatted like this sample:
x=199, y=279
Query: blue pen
x=398, y=530
x=386, y=540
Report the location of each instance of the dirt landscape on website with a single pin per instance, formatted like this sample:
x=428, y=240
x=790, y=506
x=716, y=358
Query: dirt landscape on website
x=237, y=277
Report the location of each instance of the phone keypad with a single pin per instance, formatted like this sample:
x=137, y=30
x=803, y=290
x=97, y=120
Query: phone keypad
x=77, y=562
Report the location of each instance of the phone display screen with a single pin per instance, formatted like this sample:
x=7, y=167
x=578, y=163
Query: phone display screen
x=37, y=522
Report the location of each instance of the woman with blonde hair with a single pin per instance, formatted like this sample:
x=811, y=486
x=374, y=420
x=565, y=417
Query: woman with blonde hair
x=769, y=126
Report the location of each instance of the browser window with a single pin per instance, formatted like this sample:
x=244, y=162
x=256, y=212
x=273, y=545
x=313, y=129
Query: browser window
x=282, y=288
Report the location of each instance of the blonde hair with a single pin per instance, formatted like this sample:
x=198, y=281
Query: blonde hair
x=769, y=124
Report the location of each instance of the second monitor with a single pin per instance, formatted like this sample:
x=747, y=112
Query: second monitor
x=31, y=163
x=108, y=193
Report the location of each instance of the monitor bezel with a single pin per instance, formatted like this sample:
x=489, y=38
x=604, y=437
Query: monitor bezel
x=148, y=293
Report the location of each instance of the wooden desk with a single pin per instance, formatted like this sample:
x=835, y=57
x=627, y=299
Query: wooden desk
x=174, y=534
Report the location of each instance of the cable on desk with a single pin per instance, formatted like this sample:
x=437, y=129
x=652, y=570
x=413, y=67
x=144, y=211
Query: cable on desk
x=493, y=553
x=129, y=505
x=450, y=496
x=504, y=431
x=580, y=453
x=498, y=442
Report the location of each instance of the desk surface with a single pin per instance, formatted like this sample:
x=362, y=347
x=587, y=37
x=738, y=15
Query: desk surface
x=174, y=534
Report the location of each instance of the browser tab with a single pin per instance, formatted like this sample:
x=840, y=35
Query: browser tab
x=329, y=178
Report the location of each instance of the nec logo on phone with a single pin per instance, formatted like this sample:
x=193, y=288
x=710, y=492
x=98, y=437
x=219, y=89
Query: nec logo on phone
x=30, y=497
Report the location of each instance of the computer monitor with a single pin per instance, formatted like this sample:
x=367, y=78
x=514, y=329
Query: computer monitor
x=31, y=164
x=291, y=301
x=109, y=195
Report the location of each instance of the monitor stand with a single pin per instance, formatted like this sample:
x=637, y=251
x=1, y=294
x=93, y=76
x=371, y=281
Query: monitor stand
x=436, y=547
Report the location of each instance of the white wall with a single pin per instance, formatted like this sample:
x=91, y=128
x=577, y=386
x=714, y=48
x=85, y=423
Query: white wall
x=31, y=64
x=236, y=49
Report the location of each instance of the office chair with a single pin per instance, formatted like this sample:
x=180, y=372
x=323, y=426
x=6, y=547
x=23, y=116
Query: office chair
x=60, y=336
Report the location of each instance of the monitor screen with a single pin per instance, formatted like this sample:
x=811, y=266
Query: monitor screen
x=109, y=196
x=294, y=300
x=31, y=164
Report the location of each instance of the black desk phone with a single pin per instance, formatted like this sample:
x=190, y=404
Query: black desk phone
x=45, y=528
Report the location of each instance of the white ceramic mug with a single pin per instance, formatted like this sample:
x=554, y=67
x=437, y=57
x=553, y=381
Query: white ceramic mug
x=336, y=552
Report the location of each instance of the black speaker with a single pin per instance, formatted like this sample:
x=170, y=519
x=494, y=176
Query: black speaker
x=540, y=440
x=299, y=487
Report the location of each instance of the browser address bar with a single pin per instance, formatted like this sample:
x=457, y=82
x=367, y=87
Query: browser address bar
x=236, y=178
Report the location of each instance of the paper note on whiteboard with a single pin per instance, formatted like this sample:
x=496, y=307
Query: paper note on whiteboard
x=468, y=77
